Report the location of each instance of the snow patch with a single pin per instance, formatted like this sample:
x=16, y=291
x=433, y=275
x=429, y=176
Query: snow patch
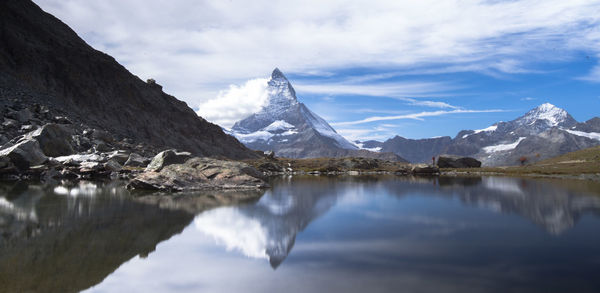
x=592, y=135
x=254, y=136
x=488, y=129
x=502, y=147
x=272, y=130
x=376, y=150
x=278, y=125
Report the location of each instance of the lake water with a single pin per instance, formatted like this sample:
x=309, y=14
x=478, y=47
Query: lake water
x=306, y=234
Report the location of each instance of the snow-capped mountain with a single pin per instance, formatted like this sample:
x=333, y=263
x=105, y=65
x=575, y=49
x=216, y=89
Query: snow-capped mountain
x=543, y=132
x=290, y=129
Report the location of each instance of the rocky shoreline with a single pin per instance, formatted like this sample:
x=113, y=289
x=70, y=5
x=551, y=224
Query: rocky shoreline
x=39, y=143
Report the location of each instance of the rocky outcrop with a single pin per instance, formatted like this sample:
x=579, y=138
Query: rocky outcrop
x=44, y=62
x=21, y=156
x=200, y=174
x=54, y=139
x=422, y=169
x=166, y=158
x=447, y=161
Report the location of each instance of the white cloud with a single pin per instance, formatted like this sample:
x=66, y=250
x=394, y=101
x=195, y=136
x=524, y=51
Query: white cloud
x=197, y=48
x=414, y=116
x=380, y=132
x=528, y=99
x=235, y=103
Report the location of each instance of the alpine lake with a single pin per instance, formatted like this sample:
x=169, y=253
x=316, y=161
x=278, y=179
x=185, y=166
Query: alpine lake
x=379, y=233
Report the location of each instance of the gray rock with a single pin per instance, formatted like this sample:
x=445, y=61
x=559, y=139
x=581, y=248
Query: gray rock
x=76, y=160
x=87, y=167
x=135, y=160
x=166, y=158
x=457, y=162
x=10, y=123
x=112, y=165
x=120, y=156
x=200, y=174
x=23, y=115
x=102, y=135
x=27, y=127
x=55, y=140
x=62, y=120
x=422, y=169
x=102, y=147
x=270, y=167
x=24, y=154
x=3, y=139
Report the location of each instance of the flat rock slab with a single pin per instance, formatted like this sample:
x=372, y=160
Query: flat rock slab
x=200, y=174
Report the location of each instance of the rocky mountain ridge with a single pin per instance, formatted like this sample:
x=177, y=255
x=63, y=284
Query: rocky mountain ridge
x=543, y=132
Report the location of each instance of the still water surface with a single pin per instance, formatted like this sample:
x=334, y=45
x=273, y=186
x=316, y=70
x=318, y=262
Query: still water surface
x=306, y=234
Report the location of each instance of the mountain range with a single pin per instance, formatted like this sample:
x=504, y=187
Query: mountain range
x=543, y=132
x=292, y=130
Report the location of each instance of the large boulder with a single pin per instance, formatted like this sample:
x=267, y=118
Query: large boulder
x=457, y=162
x=422, y=169
x=23, y=155
x=54, y=139
x=200, y=174
x=166, y=158
x=23, y=115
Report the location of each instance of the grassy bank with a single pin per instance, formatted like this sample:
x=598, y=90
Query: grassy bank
x=582, y=162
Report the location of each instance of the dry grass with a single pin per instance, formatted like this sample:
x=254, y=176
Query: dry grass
x=586, y=161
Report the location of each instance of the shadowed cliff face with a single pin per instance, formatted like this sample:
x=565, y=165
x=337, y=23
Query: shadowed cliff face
x=69, y=238
x=44, y=61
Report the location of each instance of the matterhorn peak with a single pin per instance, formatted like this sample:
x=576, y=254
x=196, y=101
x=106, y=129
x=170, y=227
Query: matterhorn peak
x=277, y=74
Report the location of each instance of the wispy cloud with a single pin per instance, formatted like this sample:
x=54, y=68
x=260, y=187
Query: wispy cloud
x=528, y=99
x=392, y=90
x=414, y=116
x=197, y=48
x=396, y=90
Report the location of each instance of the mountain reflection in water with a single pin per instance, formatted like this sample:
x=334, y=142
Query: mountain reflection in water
x=346, y=233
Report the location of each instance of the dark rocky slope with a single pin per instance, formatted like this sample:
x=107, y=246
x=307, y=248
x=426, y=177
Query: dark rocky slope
x=43, y=61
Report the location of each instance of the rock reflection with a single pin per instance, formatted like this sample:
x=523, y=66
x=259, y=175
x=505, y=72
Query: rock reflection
x=83, y=231
x=552, y=204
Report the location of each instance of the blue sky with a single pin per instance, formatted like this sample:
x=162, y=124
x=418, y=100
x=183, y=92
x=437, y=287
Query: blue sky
x=373, y=69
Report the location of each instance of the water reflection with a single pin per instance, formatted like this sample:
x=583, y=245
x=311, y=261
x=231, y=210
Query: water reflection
x=268, y=229
x=70, y=237
x=350, y=234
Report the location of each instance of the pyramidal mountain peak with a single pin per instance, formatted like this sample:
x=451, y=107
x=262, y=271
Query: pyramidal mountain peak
x=291, y=129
